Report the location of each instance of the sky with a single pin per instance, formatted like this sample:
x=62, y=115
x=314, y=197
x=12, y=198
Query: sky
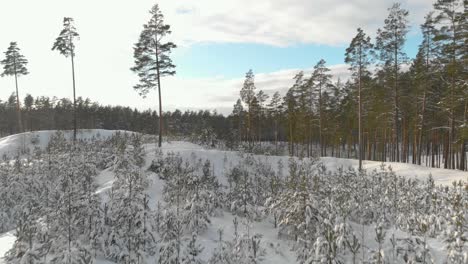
x=218, y=42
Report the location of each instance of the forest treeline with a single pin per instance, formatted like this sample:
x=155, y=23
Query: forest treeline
x=46, y=113
x=391, y=109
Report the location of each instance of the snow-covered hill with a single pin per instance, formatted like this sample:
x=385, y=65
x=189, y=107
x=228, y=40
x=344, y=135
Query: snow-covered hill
x=14, y=144
x=277, y=250
x=441, y=176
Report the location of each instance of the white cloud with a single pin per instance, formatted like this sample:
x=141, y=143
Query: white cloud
x=281, y=22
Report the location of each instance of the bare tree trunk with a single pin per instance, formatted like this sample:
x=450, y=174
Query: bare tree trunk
x=463, y=146
x=18, y=103
x=276, y=136
x=69, y=220
x=74, y=98
x=249, y=128
x=421, y=127
x=451, y=160
x=159, y=92
x=18, y=108
x=360, y=109
x=397, y=117
x=240, y=127
x=320, y=121
x=447, y=149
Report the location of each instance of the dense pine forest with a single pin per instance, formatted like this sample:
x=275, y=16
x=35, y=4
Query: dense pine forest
x=392, y=108
x=44, y=113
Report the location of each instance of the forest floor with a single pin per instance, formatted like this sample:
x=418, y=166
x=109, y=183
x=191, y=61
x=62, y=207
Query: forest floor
x=277, y=250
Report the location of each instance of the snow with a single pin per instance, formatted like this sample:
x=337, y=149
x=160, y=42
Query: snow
x=12, y=145
x=104, y=180
x=441, y=176
x=278, y=251
x=6, y=242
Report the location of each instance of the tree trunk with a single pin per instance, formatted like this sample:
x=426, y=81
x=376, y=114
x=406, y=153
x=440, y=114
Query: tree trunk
x=320, y=121
x=74, y=96
x=397, y=117
x=159, y=92
x=421, y=127
x=18, y=103
x=360, y=109
x=464, y=141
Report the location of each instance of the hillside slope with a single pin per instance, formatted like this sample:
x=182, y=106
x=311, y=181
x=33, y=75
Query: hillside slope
x=14, y=144
x=277, y=249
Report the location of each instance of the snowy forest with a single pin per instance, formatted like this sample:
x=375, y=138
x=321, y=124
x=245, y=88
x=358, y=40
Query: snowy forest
x=368, y=169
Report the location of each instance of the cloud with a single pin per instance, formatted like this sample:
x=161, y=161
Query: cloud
x=282, y=22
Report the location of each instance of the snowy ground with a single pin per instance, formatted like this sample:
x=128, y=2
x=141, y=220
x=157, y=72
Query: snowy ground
x=441, y=176
x=14, y=144
x=6, y=242
x=277, y=250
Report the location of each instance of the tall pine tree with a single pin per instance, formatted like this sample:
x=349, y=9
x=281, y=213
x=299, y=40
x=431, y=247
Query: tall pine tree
x=390, y=42
x=64, y=43
x=451, y=40
x=321, y=80
x=359, y=56
x=247, y=95
x=152, y=59
x=14, y=64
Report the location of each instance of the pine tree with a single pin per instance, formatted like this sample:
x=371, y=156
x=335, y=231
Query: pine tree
x=28, y=104
x=261, y=97
x=456, y=235
x=274, y=109
x=321, y=80
x=247, y=95
x=64, y=43
x=192, y=252
x=247, y=249
x=26, y=249
x=222, y=254
x=197, y=206
x=304, y=94
x=291, y=110
x=378, y=255
x=358, y=55
x=132, y=233
x=451, y=40
x=390, y=42
x=14, y=64
x=241, y=193
x=71, y=219
x=170, y=245
x=354, y=245
x=423, y=69
x=238, y=111
x=152, y=59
